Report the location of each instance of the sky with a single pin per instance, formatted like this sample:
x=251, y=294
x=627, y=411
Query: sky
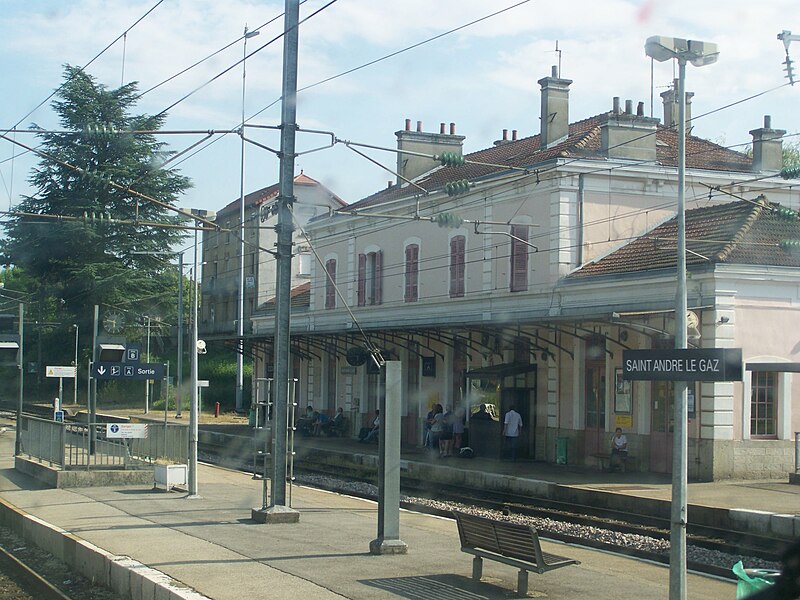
x=482, y=77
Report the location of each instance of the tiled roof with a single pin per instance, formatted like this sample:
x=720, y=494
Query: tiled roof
x=583, y=141
x=747, y=233
x=300, y=298
x=270, y=192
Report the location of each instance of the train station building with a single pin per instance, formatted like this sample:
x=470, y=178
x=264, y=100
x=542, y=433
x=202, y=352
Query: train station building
x=520, y=277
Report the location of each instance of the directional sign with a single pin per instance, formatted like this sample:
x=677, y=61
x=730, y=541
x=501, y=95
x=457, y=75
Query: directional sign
x=60, y=371
x=697, y=364
x=123, y=372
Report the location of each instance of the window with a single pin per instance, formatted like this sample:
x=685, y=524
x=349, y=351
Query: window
x=330, y=284
x=412, y=273
x=763, y=404
x=519, y=258
x=370, y=278
x=304, y=266
x=457, y=246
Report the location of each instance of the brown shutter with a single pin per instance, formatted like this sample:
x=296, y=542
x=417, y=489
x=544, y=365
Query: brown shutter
x=330, y=290
x=379, y=277
x=519, y=258
x=457, y=249
x=412, y=273
x=362, y=279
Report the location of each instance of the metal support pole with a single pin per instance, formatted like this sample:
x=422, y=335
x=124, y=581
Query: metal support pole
x=179, y=379
x=147, y=381
x=193, y=405
x=679, y=512
x=279, y=512
x=21, y=365
x=92, y=416
x=240, y=311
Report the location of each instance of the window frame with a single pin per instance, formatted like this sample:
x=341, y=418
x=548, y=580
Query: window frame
x=519, y=260
x=458, y=250
x=411, y=293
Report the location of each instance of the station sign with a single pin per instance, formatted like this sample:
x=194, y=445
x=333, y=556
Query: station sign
x=126, y=430
x=128, y=372
x=696, y=364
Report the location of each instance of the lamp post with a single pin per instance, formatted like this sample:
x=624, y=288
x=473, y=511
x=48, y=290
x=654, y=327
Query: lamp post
x=240, y=311
x=147, y=383
x=21, y=365
x=662, y=48
x=193, y=407
x=75, y=379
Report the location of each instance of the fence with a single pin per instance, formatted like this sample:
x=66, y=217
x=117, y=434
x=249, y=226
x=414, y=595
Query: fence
x=797, y=452
x=74, y=446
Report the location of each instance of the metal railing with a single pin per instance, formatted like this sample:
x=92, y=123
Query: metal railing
x=797, y=451
x=75, y=446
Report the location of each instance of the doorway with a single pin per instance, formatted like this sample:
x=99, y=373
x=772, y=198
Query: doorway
x=524, y=402
x=662, y=426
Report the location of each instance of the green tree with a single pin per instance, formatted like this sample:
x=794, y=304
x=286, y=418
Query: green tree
x=76, y=264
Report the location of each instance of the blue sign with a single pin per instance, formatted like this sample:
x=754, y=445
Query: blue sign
x=125, y=372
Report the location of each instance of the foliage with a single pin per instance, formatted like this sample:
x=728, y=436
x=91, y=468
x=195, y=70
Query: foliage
x=219, y=367
x=67, y=266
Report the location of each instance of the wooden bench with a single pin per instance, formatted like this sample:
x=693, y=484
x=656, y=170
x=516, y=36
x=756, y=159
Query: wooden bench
x=510, y=543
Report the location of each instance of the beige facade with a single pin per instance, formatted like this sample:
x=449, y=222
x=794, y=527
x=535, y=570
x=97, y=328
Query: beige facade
x=554, y=346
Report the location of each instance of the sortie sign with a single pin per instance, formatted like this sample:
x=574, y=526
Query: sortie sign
x=700, y=364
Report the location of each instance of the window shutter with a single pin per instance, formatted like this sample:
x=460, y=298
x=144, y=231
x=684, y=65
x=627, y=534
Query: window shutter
x=379, y=277
x=519, y=258
x=457, y=249
x=412, y=272
x=362, y=279
x=330, y=291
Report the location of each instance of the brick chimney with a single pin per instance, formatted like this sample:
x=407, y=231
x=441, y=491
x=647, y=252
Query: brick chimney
x=628, y=135
x=670, y=100
x=555, y=109
x=411, y=166
x=767, y=147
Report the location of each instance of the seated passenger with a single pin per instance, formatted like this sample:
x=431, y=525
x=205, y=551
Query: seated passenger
x=619, y=451
x=305, y=422
x=335, y=426
x=319, y=421
x=370, y=434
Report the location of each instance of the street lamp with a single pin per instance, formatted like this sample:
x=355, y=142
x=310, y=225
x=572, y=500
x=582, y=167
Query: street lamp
x=75, y=391
x=662, y=48
x=240, y=312
x=207, y=215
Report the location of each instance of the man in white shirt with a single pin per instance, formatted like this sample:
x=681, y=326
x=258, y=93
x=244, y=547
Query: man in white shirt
x=619, y=450
x=512, y=425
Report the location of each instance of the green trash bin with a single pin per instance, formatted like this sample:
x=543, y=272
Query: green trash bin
x=751, y=581
x=251, y=417
x=562, y=445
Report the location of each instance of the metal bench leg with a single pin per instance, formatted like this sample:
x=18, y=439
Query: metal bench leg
x=477, y=568
x=522, y=583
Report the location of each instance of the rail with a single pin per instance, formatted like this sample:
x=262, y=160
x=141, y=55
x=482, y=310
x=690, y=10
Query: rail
x=76, y=446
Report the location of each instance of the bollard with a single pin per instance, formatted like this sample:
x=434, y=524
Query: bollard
x=216, y=410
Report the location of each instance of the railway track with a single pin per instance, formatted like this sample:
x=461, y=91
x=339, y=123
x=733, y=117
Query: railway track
x=27, y=579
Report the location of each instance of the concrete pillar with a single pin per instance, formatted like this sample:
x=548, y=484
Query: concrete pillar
x=388, y=540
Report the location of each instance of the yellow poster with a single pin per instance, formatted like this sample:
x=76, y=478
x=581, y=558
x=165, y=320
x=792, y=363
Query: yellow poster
x=623, y=421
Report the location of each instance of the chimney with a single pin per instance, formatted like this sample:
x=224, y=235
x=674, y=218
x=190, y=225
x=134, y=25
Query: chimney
x=411, y=166
x=503, y=140
x=670, y=100
x=628, y=135
x=555, y=109
x=767, y=147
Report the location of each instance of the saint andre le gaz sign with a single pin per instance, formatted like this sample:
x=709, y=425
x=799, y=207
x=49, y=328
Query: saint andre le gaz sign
x=700, y=364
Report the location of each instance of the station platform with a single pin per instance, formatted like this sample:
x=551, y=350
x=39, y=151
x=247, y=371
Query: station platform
x=154, y=544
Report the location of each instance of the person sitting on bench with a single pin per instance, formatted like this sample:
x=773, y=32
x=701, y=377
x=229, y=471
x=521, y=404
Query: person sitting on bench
x=619, y=451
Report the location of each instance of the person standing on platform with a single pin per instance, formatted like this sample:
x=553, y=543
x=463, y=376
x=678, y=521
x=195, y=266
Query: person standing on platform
x=512, y=425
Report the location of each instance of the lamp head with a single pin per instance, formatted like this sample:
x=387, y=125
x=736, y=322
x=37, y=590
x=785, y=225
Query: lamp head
x=662, y=48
